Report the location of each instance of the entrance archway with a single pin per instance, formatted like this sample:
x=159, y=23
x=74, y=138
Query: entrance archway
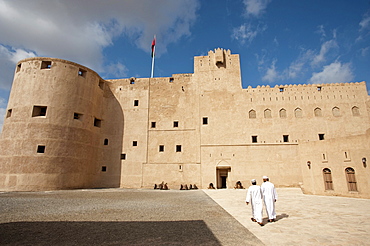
x=222, y=171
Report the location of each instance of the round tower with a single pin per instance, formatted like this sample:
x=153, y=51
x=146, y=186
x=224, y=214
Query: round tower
x=52, y=132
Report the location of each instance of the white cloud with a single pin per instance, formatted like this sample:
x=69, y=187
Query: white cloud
x=247, y=32
x=255, y=7
x=80, y=30
x=325, y=48
x=365, y=23
x=2, y=112
x=336, y=72
x=364, y=51
x=117, y=70
x=271, y=73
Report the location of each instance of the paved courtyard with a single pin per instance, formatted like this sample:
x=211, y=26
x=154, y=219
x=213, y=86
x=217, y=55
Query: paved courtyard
x=173, y=217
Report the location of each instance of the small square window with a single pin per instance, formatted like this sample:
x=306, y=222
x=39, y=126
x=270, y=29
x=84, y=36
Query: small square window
x=132, y=81
x=39, y=111
x=161, y=148
x=321, y=136
x=9, y=113
x=153, y=125
x=319, y=88
x=171, y=80
x=178, y=148
x=254, y=139
x=82, y=72
x=103, y=168
x=205, y=120
x=136, y=103
x=175, y=124
x=286, y=138
x=123, y=156
x=40, y=148
x=77, y=116
x=106, y=141
x=134, y=143
x=45, y=64
x=97, y=122
x=281, y=89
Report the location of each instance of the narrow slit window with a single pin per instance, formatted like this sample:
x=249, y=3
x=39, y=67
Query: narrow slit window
x=178, y=148
x=154, y=124
x=41, y=149
x=45, y=64
x=97, y=122
x=9, y=113
x=39, y=111
x=205, y=120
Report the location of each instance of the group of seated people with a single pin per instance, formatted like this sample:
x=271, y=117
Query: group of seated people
x=161, y=186
x=191, y=187
x=238, y=185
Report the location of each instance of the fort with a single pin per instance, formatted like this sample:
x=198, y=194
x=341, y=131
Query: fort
x=66, y=128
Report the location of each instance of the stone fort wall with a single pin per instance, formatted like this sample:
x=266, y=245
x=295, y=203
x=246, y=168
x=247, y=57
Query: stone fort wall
x=196, y=128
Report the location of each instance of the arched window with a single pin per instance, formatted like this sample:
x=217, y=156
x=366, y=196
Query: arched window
x=355, y=111
x=267, y=113
x=317, y=112
x=327, y=179
x=298, y=113
x=252, y=114
x=351, y=179
x=282, y=113
x=336, y=111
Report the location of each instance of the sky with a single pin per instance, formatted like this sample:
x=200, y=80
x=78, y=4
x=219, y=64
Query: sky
x=279, y=41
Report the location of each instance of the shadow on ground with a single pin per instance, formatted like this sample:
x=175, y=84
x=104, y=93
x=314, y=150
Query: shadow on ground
x=193, y=232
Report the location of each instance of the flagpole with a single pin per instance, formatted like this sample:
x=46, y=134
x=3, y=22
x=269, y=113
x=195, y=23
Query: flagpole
x=153, y=54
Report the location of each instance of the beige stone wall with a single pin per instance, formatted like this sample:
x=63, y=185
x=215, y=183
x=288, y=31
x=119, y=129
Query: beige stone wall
x=73, y=148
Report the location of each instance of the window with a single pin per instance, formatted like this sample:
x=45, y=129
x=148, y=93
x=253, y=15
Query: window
x=327, y=179
x=153, y=124
x=40, y=148
x=205, y=120
x=39, y=111
x=171, y=80
x=254, y=139
x=106, y=141
x=9, y=113
x=319, y=88
x=134, y=143
x=101, y=84
x=136, y=103
x=321, y=136
x=178, y=148
x=252, y=114
x=351, y=179
x=355, y=111
x=286, y=138
x=82, y=72
x=45, y=64
x=317, y=112
x=132, y=81
x=97, y=122
x=77, y=116
x=267, y=113
x=175, y=124
x=336, y=112
x=281, y=89
x=18, y=67
x=123, y=156
x=282, y=113
x=103, y=168
x=161, y=148
x=298, y=113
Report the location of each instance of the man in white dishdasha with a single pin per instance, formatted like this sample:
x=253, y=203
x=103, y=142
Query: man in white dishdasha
x=269, y=197
x=254, y=196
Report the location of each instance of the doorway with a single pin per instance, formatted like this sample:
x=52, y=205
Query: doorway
x=222, y=175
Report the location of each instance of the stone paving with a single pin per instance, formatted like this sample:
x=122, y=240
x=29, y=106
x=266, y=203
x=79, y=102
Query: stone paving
x=303, y=219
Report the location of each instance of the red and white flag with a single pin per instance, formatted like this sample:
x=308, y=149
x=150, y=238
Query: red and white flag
x=153, y=47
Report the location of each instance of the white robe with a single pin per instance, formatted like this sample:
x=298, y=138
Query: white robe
x=269, y=197
x=254, y=197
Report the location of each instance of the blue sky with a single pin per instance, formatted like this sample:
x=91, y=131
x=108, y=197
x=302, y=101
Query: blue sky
x=279, y=41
